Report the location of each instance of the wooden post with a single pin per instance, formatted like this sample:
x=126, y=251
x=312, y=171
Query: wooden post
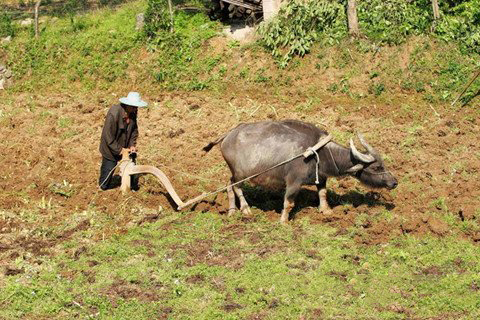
x=436, y=10
x=37, y=6
x=170, y=8
x=352, y=18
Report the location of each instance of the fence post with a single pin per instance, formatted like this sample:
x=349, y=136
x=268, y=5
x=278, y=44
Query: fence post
x=436, y=10
x=37, y=6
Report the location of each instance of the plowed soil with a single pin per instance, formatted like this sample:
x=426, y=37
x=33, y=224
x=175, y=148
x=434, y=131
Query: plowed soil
x=50, y=160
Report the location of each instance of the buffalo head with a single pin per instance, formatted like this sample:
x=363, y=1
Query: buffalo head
x=369, y=168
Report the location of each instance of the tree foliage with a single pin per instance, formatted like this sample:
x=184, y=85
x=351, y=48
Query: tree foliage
x=299, y=24
x=462, y=23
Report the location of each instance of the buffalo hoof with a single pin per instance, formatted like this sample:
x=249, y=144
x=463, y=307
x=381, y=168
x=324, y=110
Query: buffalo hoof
x=325, y=211
x=246, y=211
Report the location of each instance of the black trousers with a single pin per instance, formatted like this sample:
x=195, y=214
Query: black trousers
x=108, y=181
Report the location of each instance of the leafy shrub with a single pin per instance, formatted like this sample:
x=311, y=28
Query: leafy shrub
x=6, y=25
x=462, y=23
x=157, y=18
x=376, y=89
x=391, y=21
x=299, y=24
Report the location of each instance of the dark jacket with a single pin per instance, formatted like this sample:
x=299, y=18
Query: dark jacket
x=116, y=134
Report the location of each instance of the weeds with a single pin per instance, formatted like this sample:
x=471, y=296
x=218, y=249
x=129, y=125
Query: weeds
x=7, y=27
x=210, y=273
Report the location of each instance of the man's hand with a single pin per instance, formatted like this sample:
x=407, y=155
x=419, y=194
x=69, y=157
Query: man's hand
x=125, y=152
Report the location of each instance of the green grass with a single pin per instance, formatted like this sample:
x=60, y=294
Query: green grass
x=99, y=48
x=231, y=269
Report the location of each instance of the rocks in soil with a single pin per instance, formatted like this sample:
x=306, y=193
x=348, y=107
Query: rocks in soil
x=26, y=22
x=476, y=237
x=175, y=133
x=140, y=21
x=6, y=77
x=6, y=40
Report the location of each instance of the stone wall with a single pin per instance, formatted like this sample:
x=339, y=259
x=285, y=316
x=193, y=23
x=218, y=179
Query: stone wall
x=270, y=8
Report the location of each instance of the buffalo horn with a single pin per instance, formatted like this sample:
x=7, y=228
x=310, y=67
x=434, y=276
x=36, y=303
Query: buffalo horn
x=365, y=144
x=366, y=158
x=355, y=168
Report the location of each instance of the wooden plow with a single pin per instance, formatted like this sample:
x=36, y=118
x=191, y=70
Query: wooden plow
x=129, y=168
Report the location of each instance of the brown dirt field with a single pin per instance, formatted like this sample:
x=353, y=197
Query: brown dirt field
x=51, y=144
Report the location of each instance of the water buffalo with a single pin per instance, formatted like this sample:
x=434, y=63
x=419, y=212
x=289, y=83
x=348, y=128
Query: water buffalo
x=251, y=148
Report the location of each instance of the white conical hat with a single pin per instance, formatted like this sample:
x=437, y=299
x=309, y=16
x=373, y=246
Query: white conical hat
x=133, y=99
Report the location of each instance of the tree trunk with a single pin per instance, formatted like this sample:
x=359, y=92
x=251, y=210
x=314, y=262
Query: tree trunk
x=352, y=18
x=170, y=8
x=37, y=6
x=436, y=10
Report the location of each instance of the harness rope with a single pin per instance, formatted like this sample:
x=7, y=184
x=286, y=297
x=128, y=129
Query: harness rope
x=316, y=167
x=333, y=160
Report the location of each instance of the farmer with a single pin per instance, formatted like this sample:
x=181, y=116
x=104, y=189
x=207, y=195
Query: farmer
x=119, y=135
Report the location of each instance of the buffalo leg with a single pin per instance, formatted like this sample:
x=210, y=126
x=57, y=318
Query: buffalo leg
x=243, y=203
x=323, y=206
x=231, y=200
x=289, y=201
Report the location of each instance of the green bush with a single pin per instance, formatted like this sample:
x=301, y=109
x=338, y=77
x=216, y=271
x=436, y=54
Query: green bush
x=299, y=24
x=462, y=23
x=110, y=2
x=391, y=21
x=6, y=26
x=157, y=19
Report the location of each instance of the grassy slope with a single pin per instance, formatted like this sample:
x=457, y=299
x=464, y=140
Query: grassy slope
x=230, y=267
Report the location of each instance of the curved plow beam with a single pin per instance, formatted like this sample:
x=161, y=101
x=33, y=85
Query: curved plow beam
x=134, y=169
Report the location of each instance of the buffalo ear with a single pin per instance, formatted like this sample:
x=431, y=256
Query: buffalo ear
x=355, y=168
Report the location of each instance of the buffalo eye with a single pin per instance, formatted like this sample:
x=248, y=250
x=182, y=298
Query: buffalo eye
x=376, y=168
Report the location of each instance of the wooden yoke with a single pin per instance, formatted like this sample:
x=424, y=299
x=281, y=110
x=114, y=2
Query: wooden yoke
x=322, y=142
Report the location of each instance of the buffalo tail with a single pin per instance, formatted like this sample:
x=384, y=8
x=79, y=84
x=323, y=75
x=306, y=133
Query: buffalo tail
x=209, y=146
